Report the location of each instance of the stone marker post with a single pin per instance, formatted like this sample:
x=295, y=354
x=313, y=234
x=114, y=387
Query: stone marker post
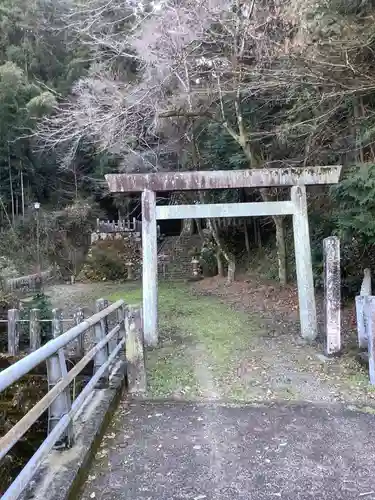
x=360, y=312
x=369, y=309
x=332, y=294
x=360, y=317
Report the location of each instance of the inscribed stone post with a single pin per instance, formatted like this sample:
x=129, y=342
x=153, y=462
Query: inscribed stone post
x=369, y=309
x=306, y=295
x=150, y=267
x=332, y=294
x=360, y=312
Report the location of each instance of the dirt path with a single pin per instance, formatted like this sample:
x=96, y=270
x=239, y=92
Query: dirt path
x=278, y=362
x=239, y=343
x=80, y=295
x=70, y=297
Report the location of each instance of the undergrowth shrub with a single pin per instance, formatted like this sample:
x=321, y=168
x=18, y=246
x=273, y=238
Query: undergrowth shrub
x=42, y=302
x=108, y=260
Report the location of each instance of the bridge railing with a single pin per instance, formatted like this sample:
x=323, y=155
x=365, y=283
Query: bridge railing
x=61, y=410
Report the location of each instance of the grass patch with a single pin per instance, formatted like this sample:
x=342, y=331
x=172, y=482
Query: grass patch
x=202, y=343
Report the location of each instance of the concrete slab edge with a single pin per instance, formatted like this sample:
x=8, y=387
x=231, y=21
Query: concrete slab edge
x=63, y=472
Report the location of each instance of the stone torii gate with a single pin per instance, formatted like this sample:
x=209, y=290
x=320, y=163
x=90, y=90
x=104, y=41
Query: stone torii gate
x=296, y=178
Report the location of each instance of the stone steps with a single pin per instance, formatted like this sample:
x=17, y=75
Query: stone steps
x=174, y=256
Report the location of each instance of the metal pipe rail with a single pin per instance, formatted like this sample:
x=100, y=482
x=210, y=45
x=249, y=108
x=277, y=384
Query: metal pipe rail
x=26, y=364
x=105, y=341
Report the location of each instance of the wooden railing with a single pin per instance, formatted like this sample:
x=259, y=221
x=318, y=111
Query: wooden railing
x=120, y=226
x=29, y=282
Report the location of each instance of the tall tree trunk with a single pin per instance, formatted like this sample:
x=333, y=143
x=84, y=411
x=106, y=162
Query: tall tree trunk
x=188, y=227
x=357, y=124
x=280, y=240
x=231, y=268
x=22, y=194
x=281, y=248
x=220, y=265
x=198, y=222
x=229, y=257
x=11, y=185
x=247, y=241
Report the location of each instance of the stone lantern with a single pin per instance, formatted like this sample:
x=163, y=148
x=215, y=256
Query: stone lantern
x=130, y=269
x=195, y=263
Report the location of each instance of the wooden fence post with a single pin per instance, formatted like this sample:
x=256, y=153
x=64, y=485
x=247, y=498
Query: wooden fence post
x=136, y=371
x=35, y=330
x=13, y=332
x=79, y=317
x=56, y=370
x=102, y=356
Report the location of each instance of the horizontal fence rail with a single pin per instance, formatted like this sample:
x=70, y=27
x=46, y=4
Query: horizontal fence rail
x=25, y=365
x=29, y=282
x=61, y=411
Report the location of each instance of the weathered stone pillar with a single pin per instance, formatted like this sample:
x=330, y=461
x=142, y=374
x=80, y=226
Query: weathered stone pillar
x=360, y=311
x=306, y=295
x=366, y=283
x=150, y=268
x=369, y=310
x=332, y=294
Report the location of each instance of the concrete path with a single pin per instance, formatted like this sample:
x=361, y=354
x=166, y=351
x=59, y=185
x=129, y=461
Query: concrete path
x=178, y=451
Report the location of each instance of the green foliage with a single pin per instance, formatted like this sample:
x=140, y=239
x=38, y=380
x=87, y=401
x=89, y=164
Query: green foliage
x=355, y=198
x=60, y=238
x=39, y=62
x=42, y=302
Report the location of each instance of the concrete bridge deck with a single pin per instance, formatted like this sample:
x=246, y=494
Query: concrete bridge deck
x=178, y=451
